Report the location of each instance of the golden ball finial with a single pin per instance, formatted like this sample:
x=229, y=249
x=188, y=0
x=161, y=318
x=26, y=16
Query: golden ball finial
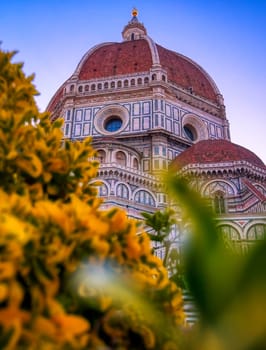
x=134, y=12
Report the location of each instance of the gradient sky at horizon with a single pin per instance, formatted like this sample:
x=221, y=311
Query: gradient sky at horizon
x=226, y=37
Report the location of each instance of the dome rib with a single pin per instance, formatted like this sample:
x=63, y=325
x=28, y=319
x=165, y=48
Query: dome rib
x=154, y=51
x=187, y=74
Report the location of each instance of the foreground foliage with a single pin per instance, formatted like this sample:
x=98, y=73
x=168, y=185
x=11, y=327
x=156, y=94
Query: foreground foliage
x=229, y=289
x=159, y=227
x=72, y=276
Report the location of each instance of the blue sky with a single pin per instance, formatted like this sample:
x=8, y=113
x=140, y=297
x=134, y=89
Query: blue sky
x=226, y=37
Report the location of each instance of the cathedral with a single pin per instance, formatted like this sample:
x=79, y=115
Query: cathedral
x=146, y=108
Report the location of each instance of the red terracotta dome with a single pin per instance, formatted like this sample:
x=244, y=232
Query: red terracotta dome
x=136, y=56
x=117, y=58
x=216, y=151
x=139, y=54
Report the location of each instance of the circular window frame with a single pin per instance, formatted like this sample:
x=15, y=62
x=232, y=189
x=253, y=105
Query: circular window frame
x=196, y=126
x=105, y=114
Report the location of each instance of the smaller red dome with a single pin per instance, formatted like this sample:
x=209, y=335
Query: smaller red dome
x=215, y=151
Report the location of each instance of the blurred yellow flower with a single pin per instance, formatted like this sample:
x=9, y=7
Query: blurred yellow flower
x=52, y=228
x=118, y=221
x=7, y=270
x=3, y=292
x=71, y=325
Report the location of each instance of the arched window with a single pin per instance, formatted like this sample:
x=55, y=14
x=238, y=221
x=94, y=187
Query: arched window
x=163, y=78
x=132, y=82
x=122, y=191
x=103, y=190
x=99, y=86
x=112, y=84
x=71, y=88
x=154, y=77
x=126, y=83
x=145, y=198
x=229, y=232
x=80, y=88
x=119, y=84
x=93, y=87
x=87, y=88
x=101, y=156
x=105, y=85
x=230, y=236
x=135, y=164
x=256, y=232
x=139, y=81
x=219, y=203
x=121, y=158
x=146, y=80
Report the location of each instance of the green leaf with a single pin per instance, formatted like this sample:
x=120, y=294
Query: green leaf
x=211, y=270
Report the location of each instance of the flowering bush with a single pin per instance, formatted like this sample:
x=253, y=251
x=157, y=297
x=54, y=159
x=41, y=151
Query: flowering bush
x=72, y=276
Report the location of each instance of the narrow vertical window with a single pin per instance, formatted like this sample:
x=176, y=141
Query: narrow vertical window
x=67, y=129
x=219, y=203
x=121, y=158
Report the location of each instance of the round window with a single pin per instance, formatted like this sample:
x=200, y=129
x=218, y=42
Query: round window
x=113, y=123
x=111, y=119
x=190, y=132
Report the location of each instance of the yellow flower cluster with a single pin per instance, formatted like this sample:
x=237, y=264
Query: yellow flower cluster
x=32, y=159
x=71, y=275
